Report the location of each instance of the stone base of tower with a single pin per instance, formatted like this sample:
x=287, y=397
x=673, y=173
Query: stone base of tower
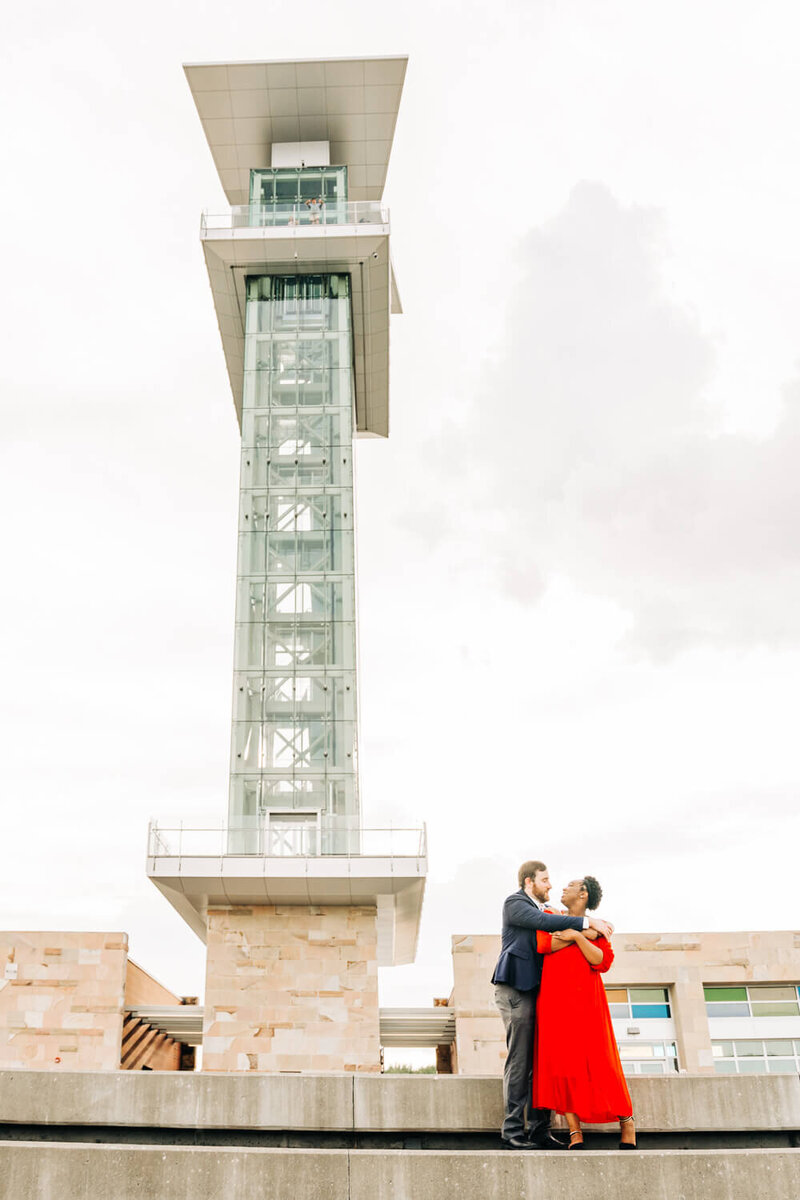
x=291, y=988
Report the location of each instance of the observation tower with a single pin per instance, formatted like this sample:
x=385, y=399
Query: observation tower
x=297, y=901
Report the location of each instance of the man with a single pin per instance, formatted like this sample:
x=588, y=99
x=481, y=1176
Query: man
x=516, y=978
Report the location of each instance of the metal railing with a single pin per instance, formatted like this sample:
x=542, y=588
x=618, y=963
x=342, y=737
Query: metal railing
x=265, y=839
x=267, y=216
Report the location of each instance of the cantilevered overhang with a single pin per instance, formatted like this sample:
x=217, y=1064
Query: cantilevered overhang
x=359, y=246
x=399, y=1027
x=352, y=103
x=394, y=886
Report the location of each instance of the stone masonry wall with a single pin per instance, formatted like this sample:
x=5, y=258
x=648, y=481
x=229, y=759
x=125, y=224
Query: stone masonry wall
x=291, y=988
x=61, y=1000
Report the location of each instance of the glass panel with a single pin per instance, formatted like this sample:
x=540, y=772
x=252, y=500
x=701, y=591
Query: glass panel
x=648, y=995
x=725, y=993
x=752, y=1066
x=773, y=993
x=775, y=1010
x=782, y=1066
x=653, y=1068
x=725, y=1068
x=294, y=729
x=286, y=195
x=635, y=1050
x=728, y=1010
x=722, y=1049
x=749, y=1049
x=646, y=1011
x=778, y=1046
x=617, y=995
x=620, y=1011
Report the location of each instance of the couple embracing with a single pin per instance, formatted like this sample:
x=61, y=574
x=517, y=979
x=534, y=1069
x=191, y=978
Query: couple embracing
x=562, y=1053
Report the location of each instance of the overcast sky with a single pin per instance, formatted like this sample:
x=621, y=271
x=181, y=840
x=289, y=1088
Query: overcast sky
x=578, y=550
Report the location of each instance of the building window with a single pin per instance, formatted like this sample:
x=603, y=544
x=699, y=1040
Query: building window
x=638, y=1003
x=770, y=1056
x=758, y=1000
x=648, y=1058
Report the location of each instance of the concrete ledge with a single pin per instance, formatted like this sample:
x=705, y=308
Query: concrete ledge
x=40, y=1172
x=177, y=1100
x=34, y=1171
x=369, y=1103
x=592, y=1175
x=668, y=1104
x=439, y=1103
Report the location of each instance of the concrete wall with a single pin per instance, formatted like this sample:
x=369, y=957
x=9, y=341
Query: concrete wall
x=291, y=988
x=684, y=962
x=74, y=1172
x=61, y=1000
x=387, y=1103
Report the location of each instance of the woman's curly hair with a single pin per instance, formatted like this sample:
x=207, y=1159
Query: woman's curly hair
x=594, y=890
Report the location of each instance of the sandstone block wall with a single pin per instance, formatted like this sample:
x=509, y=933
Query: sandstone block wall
x=61, y=1000
x=291, y=988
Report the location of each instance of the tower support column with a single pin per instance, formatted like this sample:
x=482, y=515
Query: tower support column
x=292, y=988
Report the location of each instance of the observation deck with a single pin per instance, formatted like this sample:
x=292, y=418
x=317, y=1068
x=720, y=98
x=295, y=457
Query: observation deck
x=350, y=106
x=198, y=869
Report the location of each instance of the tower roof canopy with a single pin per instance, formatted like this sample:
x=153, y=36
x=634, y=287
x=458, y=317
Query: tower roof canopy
x=350, y=102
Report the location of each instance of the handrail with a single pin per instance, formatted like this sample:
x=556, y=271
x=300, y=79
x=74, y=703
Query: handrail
x=330, y=838
x=289, y=216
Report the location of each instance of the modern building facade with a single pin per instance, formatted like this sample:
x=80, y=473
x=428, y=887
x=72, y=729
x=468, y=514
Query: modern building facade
x=702, y=1003
x=297, y=901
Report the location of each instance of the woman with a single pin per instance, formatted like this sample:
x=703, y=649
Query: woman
x=576, y=1067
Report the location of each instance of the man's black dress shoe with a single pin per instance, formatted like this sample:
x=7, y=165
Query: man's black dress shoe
x=546, y=1141
x=542, y=1141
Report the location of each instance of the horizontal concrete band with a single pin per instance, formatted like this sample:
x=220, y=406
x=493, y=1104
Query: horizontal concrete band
x=179, y=1100
x=40, y=1172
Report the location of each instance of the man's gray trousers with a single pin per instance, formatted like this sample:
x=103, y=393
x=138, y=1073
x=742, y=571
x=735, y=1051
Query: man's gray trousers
x=518, y=1010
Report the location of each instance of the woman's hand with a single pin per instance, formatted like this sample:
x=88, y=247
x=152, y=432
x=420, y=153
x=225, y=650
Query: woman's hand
x=566, y=935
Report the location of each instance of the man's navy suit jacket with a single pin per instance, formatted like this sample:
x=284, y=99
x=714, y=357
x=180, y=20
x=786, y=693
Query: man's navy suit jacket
x=519, y=964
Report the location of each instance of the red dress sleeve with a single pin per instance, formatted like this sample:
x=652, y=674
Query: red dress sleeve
x=544, y=941
x=608, y=955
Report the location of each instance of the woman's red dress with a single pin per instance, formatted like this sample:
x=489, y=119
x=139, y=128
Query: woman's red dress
x=576, y=1065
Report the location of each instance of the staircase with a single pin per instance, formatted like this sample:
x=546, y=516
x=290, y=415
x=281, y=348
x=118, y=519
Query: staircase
x=176, y=1136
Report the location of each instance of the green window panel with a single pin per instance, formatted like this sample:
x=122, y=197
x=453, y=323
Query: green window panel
x=725, y=993
x=648, y=995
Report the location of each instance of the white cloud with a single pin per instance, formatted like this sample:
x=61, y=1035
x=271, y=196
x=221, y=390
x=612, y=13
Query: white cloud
x=591, y=451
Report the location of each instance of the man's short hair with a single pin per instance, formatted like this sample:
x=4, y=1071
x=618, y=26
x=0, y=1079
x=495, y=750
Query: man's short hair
x=528, y=871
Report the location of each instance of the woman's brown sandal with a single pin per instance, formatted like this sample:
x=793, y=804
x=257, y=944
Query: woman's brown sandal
x=576, y=1133
x=627, y=1145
